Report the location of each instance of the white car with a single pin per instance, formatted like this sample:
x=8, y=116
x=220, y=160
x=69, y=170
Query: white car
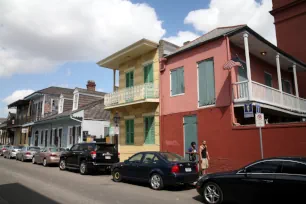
x=27, y=153
x=3, y=149
x=12, y=151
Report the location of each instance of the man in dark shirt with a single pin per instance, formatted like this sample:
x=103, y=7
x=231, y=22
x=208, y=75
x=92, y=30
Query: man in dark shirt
x=192, y=151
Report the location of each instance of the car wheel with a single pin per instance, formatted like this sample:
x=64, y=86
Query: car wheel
x=212, y=193
x=156, y=182
x=45, y=163
x=117, y=175
x=83, y=168
x=62, y=165
x=33, y=160
x=22, y=159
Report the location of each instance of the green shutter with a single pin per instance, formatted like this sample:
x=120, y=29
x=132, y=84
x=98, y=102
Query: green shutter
x=206, y=80
x=177, y=81
x=149, y=130
x=129, y=79
x=268, y=80
x=129, y=131
x=148, y=73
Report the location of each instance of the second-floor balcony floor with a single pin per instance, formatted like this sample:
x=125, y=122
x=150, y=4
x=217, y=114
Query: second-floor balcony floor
x=143, y=93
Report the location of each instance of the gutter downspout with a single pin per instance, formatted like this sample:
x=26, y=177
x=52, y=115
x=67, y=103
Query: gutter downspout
x=162, y=62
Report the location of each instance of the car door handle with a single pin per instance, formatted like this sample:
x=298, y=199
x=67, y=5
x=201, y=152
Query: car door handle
x=268, y=181
x=73, y=153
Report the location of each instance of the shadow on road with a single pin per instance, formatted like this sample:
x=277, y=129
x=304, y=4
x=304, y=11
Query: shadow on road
x=16, y=193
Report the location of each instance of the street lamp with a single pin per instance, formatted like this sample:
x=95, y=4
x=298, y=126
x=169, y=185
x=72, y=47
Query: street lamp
x=116, y=119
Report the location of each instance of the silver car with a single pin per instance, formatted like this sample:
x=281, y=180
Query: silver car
x=27, y=153
x=3, y=149
x=49, y=155
x=12, y=151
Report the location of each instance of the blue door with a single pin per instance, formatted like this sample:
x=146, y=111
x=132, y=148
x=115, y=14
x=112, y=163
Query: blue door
x=190, y=132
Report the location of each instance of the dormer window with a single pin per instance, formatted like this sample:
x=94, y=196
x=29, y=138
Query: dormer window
x=61, y=105
x=75, y=101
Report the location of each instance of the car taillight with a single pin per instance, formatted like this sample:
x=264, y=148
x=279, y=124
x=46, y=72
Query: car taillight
x=53, y=155
x=28, y=153
x=4, y=149
x=93, y=154
x=175, y=169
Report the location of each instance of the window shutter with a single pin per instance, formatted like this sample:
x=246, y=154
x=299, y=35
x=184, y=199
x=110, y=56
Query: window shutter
x=127, y=79
x=152, y=130
x=268, y=80
x=173, y=82
x=145, y=74
x=150, y=73
x=206, y=82
x=73, y=135
x=180, y=81
x=132, y=131
x=127, y=135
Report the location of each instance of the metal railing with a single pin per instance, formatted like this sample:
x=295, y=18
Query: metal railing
x=268, y=95
x=132, y=94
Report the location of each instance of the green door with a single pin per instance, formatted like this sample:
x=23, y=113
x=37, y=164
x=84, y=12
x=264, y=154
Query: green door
x=129, y=131
x=129, y=83
x=149, y=130
x=190, y=132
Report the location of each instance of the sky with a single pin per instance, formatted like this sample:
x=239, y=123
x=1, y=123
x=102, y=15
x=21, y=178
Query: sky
x=57, y=43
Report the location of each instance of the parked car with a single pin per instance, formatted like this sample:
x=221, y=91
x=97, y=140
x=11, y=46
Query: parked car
x=89, y=157
x=157, y=168
x=274, y=180
x=47, y=156
x=27, y=153
x=3, y=149
x=12, y=151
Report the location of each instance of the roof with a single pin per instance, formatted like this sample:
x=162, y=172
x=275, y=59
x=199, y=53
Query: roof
x=81, y=90
x=18, y=103
x=95, y=110
x=2, y=120
x=52, y=90
x=68, y=95
x=214, y=34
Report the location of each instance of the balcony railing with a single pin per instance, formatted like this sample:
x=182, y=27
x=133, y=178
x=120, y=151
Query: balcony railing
x=132, y=94
x=268, y=95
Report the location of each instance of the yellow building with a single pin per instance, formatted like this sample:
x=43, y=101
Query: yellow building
x=137, y=99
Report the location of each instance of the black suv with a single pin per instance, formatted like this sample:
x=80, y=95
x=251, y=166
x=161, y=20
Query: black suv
x=89, y=157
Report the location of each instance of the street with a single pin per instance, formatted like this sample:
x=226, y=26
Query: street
x=28, y=183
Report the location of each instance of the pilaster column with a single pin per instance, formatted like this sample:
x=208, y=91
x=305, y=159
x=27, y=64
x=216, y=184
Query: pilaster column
x=279, y=77
x=248, y=64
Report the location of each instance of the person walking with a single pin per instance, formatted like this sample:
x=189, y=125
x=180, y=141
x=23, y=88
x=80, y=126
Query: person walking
x=192, y=151
x=204, y=157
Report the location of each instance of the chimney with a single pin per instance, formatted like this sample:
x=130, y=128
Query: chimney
x=185, y=43
x=91, y=85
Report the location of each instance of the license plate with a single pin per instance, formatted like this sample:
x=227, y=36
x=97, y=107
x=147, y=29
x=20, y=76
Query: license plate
x=188, y=169
x=107, y=157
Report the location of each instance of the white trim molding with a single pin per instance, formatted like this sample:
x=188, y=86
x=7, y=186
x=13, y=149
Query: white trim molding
x=147, y=63
x=149, y=114
x=129, y=69
x=129, y=117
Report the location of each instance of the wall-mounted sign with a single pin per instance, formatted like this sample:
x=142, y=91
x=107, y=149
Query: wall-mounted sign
x=24, y=130
x=248, y=110
x=260, y=120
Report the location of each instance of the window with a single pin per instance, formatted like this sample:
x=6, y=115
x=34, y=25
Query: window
x=148, y=158
x=206, y=83
x=265, y=167
x=293, y=168
x=177, y=81
x=106, y=131
x=70, y=135
x=54, y=105
x=51, y=135
x=136, y=158
x=129, y=79
x=268, y=79
x=60, y=132
x=129, y=129
x=61, y=105
x=76, y=148
x=46, y=137
x=149, y=130
x=75, y=101
x=148, y=73
x=42, y=137
x=55, y=138
x=286, y=86
x=78, y=133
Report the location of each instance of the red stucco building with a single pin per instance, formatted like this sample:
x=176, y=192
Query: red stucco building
x=201, y=100
x=290, y=25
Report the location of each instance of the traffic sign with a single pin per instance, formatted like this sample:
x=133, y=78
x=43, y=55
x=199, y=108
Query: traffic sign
x=260, y=120
x=258, y=108
x=248, y=110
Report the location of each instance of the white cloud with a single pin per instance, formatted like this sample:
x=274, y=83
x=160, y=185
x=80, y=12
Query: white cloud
x=100, y=89
x=36, y=36
x=182, y=37
x=68, y=72
x=16, y=95
x=235, y=12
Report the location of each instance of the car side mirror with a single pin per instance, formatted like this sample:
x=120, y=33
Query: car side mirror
x=67, y=149
x=126, y=161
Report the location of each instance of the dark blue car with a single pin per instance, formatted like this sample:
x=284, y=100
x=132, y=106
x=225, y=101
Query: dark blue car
x=157, y=168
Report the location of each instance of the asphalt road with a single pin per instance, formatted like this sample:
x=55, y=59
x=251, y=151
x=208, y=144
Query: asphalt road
x=26, y=183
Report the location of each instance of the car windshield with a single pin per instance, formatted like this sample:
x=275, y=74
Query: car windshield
x=34, y=148
x=56, y=149
x=6, y=146
x=171, y=157
x=16, y=147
